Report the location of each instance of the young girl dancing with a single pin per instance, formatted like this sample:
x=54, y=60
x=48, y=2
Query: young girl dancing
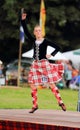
x=42, y=72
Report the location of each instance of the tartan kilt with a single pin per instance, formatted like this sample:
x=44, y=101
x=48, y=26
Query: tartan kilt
x=42, y=72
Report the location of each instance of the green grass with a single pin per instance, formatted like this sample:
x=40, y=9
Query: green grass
x=20, y=98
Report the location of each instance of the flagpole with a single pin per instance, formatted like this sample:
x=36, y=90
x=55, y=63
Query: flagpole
x=19, y=60
x=19, y=64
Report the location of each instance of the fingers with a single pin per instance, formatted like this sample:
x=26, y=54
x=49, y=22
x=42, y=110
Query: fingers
x=48, y=56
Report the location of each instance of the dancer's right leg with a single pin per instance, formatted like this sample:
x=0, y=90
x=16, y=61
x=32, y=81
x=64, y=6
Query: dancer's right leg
x=34, y=98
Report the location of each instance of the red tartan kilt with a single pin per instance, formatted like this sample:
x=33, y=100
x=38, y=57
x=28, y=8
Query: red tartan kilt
x=44, y=72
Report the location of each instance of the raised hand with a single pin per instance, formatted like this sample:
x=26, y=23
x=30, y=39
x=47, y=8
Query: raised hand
x=24, y=16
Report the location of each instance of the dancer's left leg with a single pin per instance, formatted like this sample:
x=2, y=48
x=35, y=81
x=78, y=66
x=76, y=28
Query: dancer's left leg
x=55, y=91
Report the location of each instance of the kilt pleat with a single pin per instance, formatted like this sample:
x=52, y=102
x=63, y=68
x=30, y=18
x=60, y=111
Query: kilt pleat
x=44, y=72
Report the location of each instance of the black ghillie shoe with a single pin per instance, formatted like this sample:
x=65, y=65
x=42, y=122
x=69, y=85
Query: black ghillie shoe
x=62, y=106
x=33, y=110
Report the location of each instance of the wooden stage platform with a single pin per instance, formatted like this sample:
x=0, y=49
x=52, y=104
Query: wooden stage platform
x=21, y=119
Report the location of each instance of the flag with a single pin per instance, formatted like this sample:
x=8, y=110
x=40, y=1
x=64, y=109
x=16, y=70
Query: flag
x=21, y=34
x=42, y=17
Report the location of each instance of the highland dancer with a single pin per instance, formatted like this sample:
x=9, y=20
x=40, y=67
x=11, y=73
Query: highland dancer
x=42, y=72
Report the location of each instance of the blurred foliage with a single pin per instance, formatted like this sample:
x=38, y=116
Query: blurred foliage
x=62, y=24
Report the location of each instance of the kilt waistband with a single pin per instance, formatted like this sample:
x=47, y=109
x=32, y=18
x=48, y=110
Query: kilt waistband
x=40, y=60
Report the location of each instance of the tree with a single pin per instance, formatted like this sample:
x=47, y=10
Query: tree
x=62, y=24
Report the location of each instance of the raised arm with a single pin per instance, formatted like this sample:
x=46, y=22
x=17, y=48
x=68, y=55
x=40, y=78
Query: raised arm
x=23, y=22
